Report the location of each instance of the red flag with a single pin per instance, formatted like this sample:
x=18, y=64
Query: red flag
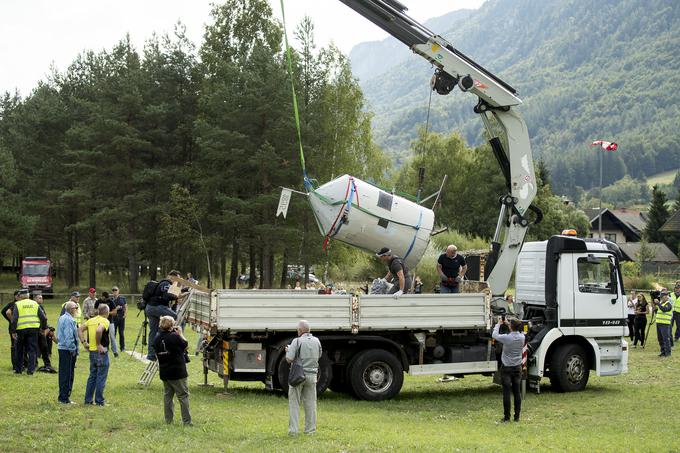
x=607, y=146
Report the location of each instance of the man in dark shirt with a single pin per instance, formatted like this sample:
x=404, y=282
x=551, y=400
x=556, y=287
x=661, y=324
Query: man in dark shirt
x=7, y=313
x=397, y=272
x=113, y=310
x=119, y=319
x=451, y=268
x=170, y=346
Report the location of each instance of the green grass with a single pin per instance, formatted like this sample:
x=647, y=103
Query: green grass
x=662, y=178
x=631, y=412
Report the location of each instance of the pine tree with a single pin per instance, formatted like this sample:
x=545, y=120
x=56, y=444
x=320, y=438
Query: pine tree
x=656, y=217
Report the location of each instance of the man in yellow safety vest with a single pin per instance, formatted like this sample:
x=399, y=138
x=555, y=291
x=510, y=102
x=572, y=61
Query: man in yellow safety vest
x=664, y=315
x=27, y=320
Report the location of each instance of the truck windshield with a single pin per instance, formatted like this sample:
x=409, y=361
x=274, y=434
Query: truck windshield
x=595, y=276
x=36, y=270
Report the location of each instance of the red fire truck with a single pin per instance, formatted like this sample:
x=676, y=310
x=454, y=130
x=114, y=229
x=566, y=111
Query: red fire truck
x=36, y=274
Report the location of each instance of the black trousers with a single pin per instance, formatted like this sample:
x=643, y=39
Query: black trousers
x=511, y=378
x=640, y=325
x=631, y=327
x=13, y=351
x=27, y=343
x=120, y=330
x=45, y=349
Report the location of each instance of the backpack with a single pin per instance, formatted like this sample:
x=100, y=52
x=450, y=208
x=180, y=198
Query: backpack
x=147, y=294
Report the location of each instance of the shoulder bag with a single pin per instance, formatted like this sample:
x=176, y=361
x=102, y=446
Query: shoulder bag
x=297, y=372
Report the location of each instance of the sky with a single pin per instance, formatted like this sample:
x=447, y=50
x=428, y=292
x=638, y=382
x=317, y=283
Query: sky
x=38, y=34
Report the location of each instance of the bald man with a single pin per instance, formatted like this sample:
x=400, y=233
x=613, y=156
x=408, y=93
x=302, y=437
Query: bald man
x=451, y=268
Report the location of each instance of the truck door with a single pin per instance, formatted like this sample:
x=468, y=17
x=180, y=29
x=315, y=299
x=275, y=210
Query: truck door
x=565, y=293
x=598, y=298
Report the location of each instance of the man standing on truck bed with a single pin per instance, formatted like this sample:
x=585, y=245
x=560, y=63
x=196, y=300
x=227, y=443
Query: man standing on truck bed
x=511, y=361
x=308, y=348
x=397, y=272
x=451, y=268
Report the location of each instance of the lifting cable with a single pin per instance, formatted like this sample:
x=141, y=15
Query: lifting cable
x=307, y=182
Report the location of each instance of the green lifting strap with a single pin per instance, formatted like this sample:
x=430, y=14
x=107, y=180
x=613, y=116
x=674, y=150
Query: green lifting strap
x=307, y=181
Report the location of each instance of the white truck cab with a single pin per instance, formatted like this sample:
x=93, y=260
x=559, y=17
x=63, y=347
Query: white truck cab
x=571, y=292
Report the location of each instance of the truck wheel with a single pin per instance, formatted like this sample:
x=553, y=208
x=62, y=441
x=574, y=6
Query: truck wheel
x=376, y=375
x=323, y=379
x=569, y=369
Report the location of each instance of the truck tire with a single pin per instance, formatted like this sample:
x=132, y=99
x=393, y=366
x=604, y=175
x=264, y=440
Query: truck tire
x=569, y=368
x=375, y=375
x=323, y=379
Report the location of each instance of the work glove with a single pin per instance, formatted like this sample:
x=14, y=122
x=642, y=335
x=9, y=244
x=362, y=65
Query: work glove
x=398, y=294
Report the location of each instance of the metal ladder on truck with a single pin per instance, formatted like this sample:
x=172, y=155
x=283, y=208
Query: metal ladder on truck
x=152, y=367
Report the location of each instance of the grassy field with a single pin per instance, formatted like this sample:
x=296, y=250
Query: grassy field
x=661, y=178
x=633, y=412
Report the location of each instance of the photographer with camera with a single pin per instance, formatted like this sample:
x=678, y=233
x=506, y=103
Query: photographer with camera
x=664, y=315
x=511, y=361
x=171, y=346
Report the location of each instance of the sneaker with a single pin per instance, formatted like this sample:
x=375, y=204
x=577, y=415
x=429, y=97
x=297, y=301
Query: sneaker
x=17, y=372
x=516, y=418
x=504, y=420
x=115, y=354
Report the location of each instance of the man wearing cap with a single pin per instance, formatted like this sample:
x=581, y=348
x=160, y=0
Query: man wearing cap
x=75, y=297
x=7, y=313
x=67, y=345
x=88, y=305
x=451, y=268
x=395, y=268
x=664, y=315
x=675, y=301
x=27, y=320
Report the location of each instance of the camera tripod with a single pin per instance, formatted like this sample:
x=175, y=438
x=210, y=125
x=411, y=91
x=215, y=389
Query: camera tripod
x=141, y=334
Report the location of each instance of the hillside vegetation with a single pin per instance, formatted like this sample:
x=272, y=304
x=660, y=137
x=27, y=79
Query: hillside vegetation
x=584, y=69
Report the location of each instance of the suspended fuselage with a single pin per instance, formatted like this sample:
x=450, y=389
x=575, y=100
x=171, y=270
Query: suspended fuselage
x=365, y=216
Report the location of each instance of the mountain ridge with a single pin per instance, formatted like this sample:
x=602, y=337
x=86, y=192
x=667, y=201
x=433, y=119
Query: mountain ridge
x=581, y=78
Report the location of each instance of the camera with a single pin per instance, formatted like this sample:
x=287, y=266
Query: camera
x=655, y=294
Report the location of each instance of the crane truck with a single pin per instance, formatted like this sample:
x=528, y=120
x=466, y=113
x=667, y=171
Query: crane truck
x=570, y=290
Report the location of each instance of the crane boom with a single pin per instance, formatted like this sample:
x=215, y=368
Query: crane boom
x=509, y=138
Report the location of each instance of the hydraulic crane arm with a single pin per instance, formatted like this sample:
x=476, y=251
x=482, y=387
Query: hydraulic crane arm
x=496, y=100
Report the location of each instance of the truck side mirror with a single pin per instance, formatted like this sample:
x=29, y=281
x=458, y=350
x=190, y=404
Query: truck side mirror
x=613, y=278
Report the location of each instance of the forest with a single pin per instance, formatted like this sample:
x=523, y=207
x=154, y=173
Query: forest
x=133, y=161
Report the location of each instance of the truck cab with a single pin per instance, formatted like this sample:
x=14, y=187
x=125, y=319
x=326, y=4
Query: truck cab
x=36, y=274
x=570, y=291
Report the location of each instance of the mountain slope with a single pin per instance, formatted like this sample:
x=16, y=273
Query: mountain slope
x=371, y=58
x=585, y=69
